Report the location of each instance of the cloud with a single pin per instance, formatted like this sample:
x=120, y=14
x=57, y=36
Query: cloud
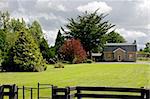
x=50, y=36
x=148, y=26
x=3, y=5
x=92, y=6
x=47, y=5
x=131, y=34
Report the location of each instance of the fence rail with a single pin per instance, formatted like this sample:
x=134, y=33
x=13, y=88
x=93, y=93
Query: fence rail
x=83, y=92
x=78, y=92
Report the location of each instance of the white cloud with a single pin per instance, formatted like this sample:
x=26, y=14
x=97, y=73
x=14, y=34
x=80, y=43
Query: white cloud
x=50, y=35
x=92, y=6
x=47, y=5
x=143, y=8
x=3, y=5
x=148, y=26
x=132, y=35
x=61, y=8
x=144, y=4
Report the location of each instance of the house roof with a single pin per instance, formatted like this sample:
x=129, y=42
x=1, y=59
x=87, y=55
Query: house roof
x=110, y=47
x=118, y=44
x=96, y=54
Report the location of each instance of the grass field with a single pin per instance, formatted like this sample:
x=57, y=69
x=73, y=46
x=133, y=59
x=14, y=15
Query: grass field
x=120, y=75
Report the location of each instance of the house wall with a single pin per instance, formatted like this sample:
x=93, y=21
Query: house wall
x=119, y=53
x=127, y=56
x=131, y=56
x=108, y=56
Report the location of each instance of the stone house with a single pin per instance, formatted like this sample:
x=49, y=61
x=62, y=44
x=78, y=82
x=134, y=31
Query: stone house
x=120, y=52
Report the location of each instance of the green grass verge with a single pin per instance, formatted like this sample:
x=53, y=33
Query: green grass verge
x=117, y=75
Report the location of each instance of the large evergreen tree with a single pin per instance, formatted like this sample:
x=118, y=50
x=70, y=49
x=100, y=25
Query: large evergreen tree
x=90, y=28
x=58, y=42
x=25, y=55
x=114, y=37
x=37, y=32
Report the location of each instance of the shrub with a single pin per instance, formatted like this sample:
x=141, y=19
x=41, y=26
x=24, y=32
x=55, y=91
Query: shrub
x=25, y=55
x=89, y=61
x=59, y=65
x=73, y=51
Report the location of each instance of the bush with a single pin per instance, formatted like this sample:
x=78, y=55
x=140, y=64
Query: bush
x=88, y=61
x=25, y=55
x=73, y=51
x=59, y=65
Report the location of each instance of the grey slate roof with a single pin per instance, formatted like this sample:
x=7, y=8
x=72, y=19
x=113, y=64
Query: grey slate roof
x=109, y=47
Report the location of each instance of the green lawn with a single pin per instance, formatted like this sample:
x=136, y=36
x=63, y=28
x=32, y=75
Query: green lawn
x=120, y=75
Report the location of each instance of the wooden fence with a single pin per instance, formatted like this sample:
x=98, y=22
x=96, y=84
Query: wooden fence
x=78, y=92
x=90, y=92
x=10, y=91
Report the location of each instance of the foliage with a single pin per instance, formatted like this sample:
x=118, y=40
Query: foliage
x=90, y=29
x=88, y=61
x=2, y=39
x=58, y=42
x=73, y=51
x=10, y=29
x=44, y=48
x=114, y=37
x=4, y=20
x=36, y=31
x=58, y=65
x=52, y=52
x=147, y=48
x=38, y=35
x=25, y=55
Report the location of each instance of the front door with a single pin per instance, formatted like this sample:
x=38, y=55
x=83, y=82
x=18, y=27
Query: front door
x=119, y=54
x=119, y=59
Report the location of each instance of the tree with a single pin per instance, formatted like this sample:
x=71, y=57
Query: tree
x=114, y=37
x=4, y=20
x=90, y=29
x=73, y=51
x=44, y=48
x=25, y=55
x=58, y=42
x=37, y=32
x=147, y=48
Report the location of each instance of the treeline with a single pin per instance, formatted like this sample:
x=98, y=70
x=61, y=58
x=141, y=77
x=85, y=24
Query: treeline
x=22, y=46
x=91, y=31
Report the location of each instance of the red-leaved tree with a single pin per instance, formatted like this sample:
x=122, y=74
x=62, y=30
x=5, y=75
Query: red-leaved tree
x=73, y=51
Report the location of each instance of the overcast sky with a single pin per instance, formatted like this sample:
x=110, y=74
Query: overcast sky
x=131, y=17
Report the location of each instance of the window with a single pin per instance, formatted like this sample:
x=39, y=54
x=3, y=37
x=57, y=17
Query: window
x=130, y=56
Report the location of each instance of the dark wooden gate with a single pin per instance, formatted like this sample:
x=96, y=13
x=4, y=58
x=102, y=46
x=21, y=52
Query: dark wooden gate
x=10, y=91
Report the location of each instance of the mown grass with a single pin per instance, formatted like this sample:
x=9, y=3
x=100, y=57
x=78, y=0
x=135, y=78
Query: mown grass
x=118, y=75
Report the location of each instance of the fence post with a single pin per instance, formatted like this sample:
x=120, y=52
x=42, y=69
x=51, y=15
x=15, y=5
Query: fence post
x=23, y=93
x=147, y=93
x=142, y=93
x=54, y=93
x=1, y=92
x=31, y=93
x=38, y=91
x=78, y=92
x=15, y=92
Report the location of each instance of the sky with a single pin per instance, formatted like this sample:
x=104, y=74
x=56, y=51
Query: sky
x=131, y=17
